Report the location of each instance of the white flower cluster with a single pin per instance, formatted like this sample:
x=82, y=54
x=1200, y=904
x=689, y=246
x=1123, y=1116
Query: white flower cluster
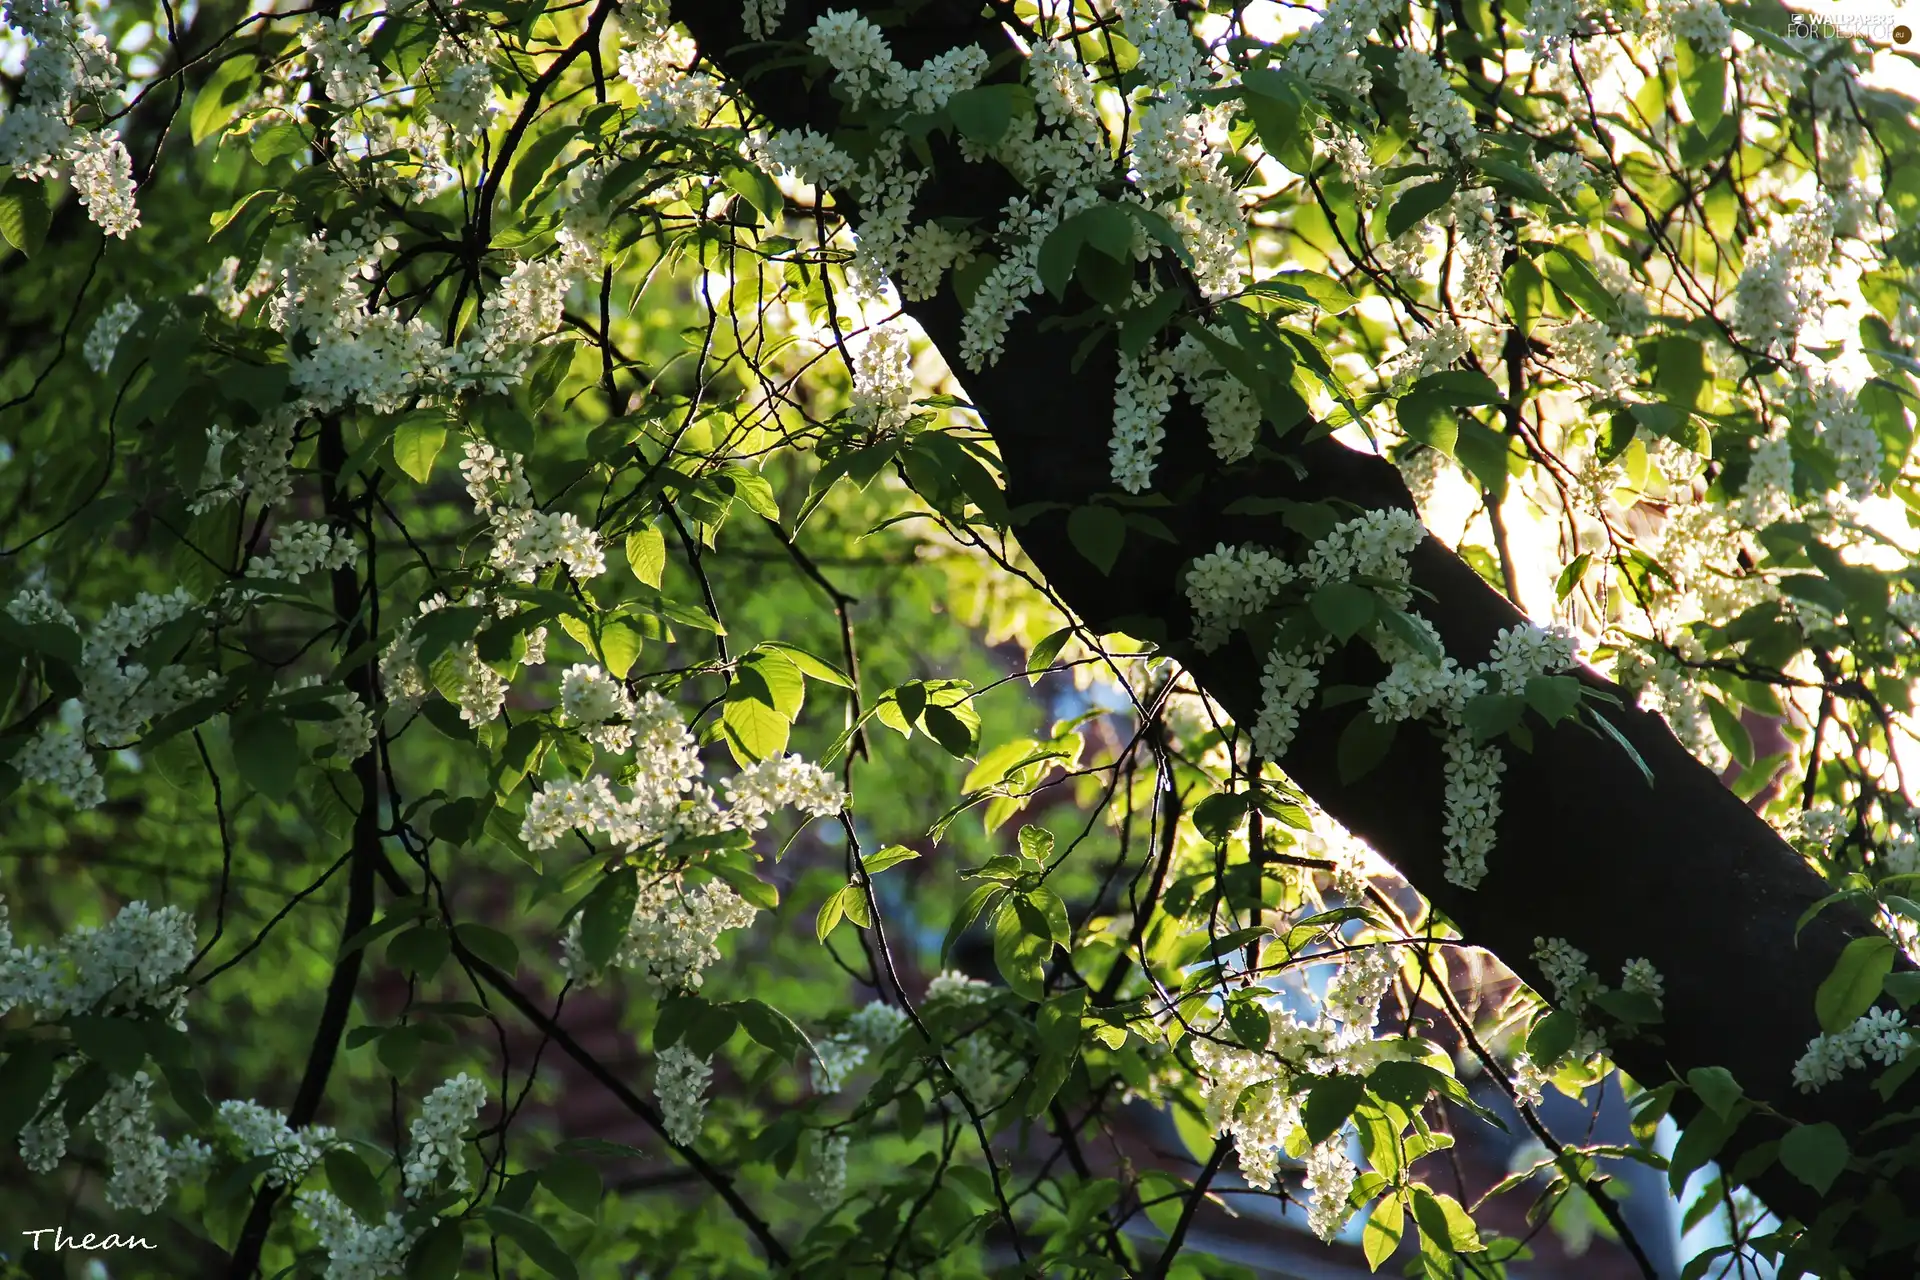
x=666, y=797
x=355, y=1251
x=68, y=67
x=829, y=1162
x=144, y=1166
x=883, y=381
x=525, y=538
x=1338, y=1041
x=476, y=688
x=350, y=733
x=1780, y=287
x=1330, y=1176
x=117, y=697
x=463, y=103
x=1833, y=410
x=1328, y=51
x=673, y=935
x=1660, y=683
x=1564, y=966
x=134, y=961
x=600, y=705
x=1287, y=682
x=1878, y=1035
x=1529, y=1081
x=867, y=1032
x=263, y=1133
x=1551, y=27
x=680, y=1083
x=1703, y=24
x=435, y=1140
x=1227, y=586
x=1445, y=122
x=1143, y=393
x=653, y=59
x=1639, y=977
x=762, y=18
x=1596, y=356
x=104, y=338
x=301, y=548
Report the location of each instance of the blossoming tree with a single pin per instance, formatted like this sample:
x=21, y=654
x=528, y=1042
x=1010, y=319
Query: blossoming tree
x=526, y=501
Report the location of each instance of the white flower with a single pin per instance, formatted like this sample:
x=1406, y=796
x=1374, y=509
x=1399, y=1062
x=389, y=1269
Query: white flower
x=680, y=1083
x=435, y=1140
x=1879, y=1035
x=104, y=338
x=261, y=1132
x=1443, y=119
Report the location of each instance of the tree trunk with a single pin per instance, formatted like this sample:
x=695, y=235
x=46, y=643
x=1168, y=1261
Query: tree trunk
x=1679, y=872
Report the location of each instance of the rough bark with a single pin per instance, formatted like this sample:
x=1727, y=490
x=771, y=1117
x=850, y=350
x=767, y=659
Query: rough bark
x=1679, y=872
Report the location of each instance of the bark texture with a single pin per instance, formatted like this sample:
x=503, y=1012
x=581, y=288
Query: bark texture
x=1679, y=872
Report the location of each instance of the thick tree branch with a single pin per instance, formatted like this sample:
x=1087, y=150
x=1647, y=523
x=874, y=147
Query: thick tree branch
x=1678, y=871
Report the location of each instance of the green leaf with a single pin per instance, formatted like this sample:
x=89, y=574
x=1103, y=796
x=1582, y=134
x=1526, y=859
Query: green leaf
x=1551, y=1037
x=1553, y=697
x=1022, y=941
x=219, y=98
x=1571, y=576
x=951, y=730
x=1444, y=1221
x=1381, y=1236
x=267, y=750
x=1343, y=608
x=1220, y=814
x=831, y=912
x=422, y=949
x=1045, y=652
x=983, y=114
x=1417, y=203
x=758, y=189
x=276, y=142
x=1328, y=1105
x=769, y=1027
x=1680, y=369
x=25, y=1077
x=1717, y=1088
x=1854, y=984
x=619, y=646
x=1097, y=533
x=114, y=1043
x=536, y=157
x=1727, y=727
x=534, y=1240
x=351, y=1180
x=647, y=555
x=1816, y=1154
x=417, y=440
x=1525, y=290
x=1703, y=82
x=24, y=215
x=1573, y=276
x=755, y=728
x=1363, y=744
x=606, y=914
x=438, y=1253
x=808, y=664
x=491, y=945
x=574, y=1183
x=1054, y=910
x=892, y=855
x=970, y=910
x=1309, y=287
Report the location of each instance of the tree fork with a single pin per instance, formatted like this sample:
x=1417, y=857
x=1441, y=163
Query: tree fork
x=1679, y=871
